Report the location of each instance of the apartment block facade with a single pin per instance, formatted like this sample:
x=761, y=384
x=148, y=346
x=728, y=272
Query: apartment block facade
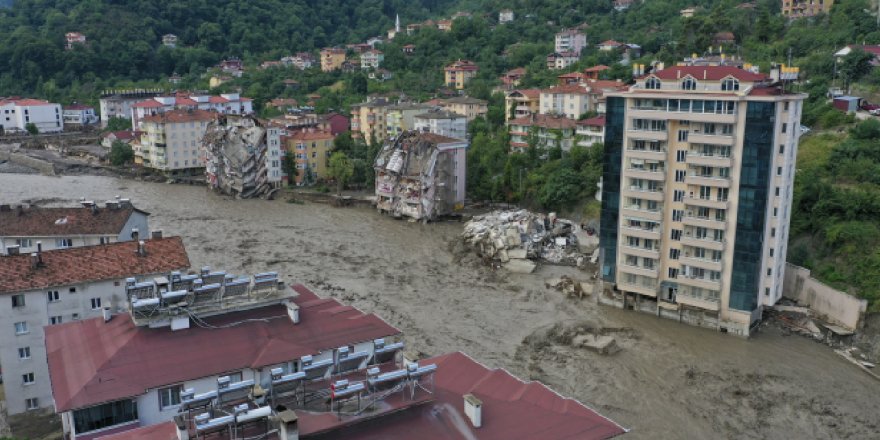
x=696, y=196
x=805, y=8
x=457, y=74
x=171, y=141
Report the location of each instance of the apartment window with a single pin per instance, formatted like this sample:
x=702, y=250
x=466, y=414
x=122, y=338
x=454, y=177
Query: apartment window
x=677, y=215
x=681, y=155
x=720, y=215
x=682, y=135
x=102, y=416
x=674, y=253
x=75, y=316
x=24, y=242
x=27, y=378
x=55, y=320
x=52, y=296
x=766, y=291
x=32, y=403
x=716, y=256
x=714, y=275
x=679, y=175
x=21, y=328
x=778, y=171
x=18, y=300
x=64, y=242
x=678, y=195
x=169, y=396
x=699, y=253
x=784, y=127
x=729, y=85
x=689, y=84
x=772, y=232
x=633, y=241
x=705, y=192
x=775, y=212
x=673, y=272
x=676, y=234
x=71, y=290
x=701, y=232
x=781, y=148
x=24, y=353
x=723, y=194
x=96, y=303
x=652, y=83
x=785, y=104
x=777, y=191
x=718, y=234
x=235, y=377
x=648, y=263
x=702, y=212
x=771, y=252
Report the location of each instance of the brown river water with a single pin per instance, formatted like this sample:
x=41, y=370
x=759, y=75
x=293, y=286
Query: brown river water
x=668, y=381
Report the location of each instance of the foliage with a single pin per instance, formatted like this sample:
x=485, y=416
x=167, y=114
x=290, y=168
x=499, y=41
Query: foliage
x=340, y=168
x=32, y=128
x=120, y=153
x=118, y=124
x=288, y=167
x=855, y=65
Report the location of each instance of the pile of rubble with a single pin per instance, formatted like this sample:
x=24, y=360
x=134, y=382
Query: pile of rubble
x=518, y=238
x=238, y=157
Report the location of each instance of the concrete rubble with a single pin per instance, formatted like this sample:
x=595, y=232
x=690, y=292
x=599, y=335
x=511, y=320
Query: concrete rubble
x=569, y=286
x=236, y=157
x=518, y=236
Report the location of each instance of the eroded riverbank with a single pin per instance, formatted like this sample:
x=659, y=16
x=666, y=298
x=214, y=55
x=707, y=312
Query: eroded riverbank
x=668, y=381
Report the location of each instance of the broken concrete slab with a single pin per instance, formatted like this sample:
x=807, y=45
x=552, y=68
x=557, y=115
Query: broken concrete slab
x=600, y=344
x=517, y=254
x=520, y=266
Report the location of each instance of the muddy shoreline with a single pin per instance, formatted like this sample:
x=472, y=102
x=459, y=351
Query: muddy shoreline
x=667, y=381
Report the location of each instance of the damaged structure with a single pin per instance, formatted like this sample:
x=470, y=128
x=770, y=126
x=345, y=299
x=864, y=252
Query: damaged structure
x=421, y=175
x=243, y=157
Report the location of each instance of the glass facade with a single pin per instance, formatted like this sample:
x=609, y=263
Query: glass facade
x=754, y=184
x=614, y=120
x=102, y=416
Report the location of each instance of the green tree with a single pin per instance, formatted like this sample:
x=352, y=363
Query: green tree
x=288, y=166
x=120, y=153
x=32, y=128
x=117, y=123
x=340, y=168
x=358, y=84
x=855, y=65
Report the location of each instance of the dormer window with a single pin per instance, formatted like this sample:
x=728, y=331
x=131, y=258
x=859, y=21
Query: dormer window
x=652, y=83
x=729, y=85
x=689, y=84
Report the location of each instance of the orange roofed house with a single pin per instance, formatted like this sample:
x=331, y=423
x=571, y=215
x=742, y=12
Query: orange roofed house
x=459, y=73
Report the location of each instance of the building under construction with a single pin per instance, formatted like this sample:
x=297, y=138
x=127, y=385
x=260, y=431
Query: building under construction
x=421, y=175
x=243, y=156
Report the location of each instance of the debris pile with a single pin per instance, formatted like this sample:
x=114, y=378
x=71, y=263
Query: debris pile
x=569, y=286
x=513, y=238
x=237, y=158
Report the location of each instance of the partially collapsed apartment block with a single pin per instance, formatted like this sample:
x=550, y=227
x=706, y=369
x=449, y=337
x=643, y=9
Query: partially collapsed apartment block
x=243, y=156
x=421, y=175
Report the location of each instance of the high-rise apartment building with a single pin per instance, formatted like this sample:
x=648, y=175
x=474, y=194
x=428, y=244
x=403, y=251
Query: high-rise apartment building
x=696, y=196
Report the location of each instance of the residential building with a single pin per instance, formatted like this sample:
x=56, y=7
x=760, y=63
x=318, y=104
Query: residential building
x=505, y=16
x=871, y=49
x=550, y=131
x=301, y=61
x=442, y=122
x=609, y=45
x=311, y=150
x=408, y=49
x=372, y=59
x=172, y=141
x=590, y=131
x=368, y=119
x=374, y=41
x=332, y=59
x=52, y=287
x=570, y=40
x=412, y=28
x=572, y=78
x=570, y=101
x=521, y=103
x=511, y=78
x=78, y=115
x=399, y=117
x=562, y=60
x=169, y=40
x=283, y=104
x=242, y=156
x=688, y=12
x=218, y=80
x=421, y=175
x=72, y=39
x=279, y=351
x=622, y=5
x=232, y=66
x=459, y=73
x=117, y=103
x=471, y=108
x=270, y=64
x=805, y=8
x=628, y=50
x=696, y=194
x=125, y=136
x=444, y=25
x=23, y=228
x=225, y=104
x=17, y=113
x=334, y=123
x=380, y=75
x=723, y=38
x=595, y=71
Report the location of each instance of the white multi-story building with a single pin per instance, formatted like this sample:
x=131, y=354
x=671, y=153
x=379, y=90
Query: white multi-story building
x=570, y=101
x=442, y=122
x=505, y=16
x=172, y=141
x=226, y=104
x=79, y=115
x=590, y=131
x=16, y=114
x=570, y=40
x=66, y=285
x=22, y=228
x=696, y=194
x=562, y=60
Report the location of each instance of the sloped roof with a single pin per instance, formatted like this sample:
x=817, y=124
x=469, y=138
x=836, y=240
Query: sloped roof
x=92, y=361
x=711, y=73
x=149, y=103
x=176, y=116
x=48, y=222
x=63, y=267
x=598, y=121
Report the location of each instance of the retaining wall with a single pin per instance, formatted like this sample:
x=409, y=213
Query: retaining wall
x=30, y=162
x=826, y=302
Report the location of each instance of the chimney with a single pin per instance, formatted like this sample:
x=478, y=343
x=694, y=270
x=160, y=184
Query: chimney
x=105, y=312
x=288, y=425
x=141, y=249
x=473, y=409
x=135, y=234
x=293, y=312
x=12, y=250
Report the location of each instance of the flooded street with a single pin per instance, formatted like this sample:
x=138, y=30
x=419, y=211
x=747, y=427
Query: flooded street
x=668, y=381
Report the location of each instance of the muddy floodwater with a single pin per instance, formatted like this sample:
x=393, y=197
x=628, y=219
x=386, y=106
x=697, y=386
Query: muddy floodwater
x=668, y=381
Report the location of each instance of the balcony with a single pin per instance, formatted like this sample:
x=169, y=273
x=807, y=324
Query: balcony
x=636, y=211
x=641, y=251
x=707, y=202
x=637, y=288
x=638, y=270
x=643, y=193
x=701, y=263
x=696, y=137
x=706, y=222
x=644, y=173
x=703, y=283
x=648, y=135
x=642, y=232
x=646, y=154
x=698, y=159
x=700, y=180
x=698, y=302
x=708, y=243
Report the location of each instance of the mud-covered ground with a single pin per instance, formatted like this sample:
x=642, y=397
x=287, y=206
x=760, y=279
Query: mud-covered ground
x=668, y=380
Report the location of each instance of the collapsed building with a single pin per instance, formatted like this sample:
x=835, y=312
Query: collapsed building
x=243, y=157
x=421, y=175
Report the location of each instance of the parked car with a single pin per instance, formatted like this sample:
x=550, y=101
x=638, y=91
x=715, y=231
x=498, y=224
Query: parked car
x=870, y=108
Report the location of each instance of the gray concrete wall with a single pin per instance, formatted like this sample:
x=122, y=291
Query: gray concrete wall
x=40, y=165
x=828, y=303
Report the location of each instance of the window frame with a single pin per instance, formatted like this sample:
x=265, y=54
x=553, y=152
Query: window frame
x=171, y=394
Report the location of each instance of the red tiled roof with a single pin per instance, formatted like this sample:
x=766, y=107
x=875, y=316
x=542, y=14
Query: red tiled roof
x=93, y=361
x=162, y=431
x=872, y=49
x=27, y=102
x=605, y=84
x=184, y=101
x=150, y=103
x=177, y=116
x=217, y=100
x=518, y=71
x=576, y=89
x=311, y=135
x=62, y=267
x=610, y=43
x=598, y=121
x=711, y=73
x=575, y=75
x=598, y=68
x=529, y=93
x=41, y=222
x=546, y=121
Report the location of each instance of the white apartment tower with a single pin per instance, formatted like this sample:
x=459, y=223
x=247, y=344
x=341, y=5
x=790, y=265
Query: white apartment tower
x=696, y=196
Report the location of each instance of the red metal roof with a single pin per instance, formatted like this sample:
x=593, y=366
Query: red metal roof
x=150, y=103
x=711, y=73
x=177, y=116
x=217, y=100
x=598, y=68
x=49, y=222
x=91, y=361
x=27, y=102
x=64, y=267
x=184, y=101
x=598, y=121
